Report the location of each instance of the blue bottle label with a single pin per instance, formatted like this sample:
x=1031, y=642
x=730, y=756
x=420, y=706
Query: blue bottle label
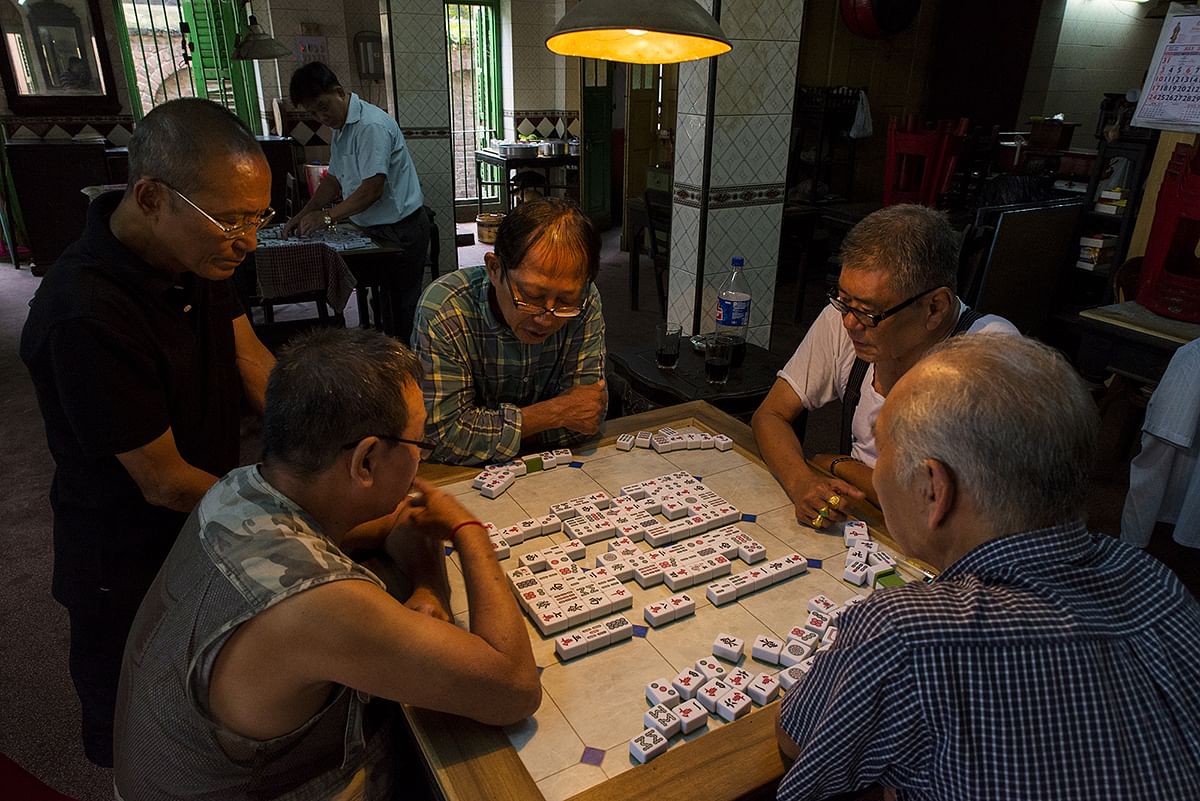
x=733, y=312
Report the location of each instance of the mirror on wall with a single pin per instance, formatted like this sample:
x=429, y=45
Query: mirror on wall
x=55, y=60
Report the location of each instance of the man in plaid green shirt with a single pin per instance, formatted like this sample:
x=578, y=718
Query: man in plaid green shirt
x=513, y=352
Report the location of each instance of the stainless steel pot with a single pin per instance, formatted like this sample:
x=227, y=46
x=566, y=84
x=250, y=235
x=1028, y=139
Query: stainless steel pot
x=552, y=147
x=522, y=150
x=573, y=147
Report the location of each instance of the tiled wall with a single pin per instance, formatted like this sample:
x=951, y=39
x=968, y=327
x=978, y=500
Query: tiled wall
x=751, y=122
x=541, y=88
x=414, y=41
x=1084, y=48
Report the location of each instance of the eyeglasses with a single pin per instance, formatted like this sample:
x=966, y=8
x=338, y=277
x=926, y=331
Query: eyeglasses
x=426, y=447
x=870, y=319
x=533, y=310
x=230, y=231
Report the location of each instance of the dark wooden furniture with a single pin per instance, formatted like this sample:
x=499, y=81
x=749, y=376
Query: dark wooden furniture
x=1130, y=340
x=48, y=176
x=509, y=165
x=658, y=217
x=739, y=396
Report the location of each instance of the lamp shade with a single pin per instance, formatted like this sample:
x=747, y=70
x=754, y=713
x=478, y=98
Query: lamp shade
x=258, y=45
x=638, y=31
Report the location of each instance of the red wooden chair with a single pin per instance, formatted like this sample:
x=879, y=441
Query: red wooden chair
x=920, y=163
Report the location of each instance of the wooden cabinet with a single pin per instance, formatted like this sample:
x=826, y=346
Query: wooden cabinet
x=48, y=177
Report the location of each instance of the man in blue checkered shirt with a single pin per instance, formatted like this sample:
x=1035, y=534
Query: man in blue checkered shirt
x=1044, y=662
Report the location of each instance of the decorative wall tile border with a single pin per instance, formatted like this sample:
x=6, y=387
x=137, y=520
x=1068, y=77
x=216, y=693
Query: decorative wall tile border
x=554, y=123
x=728, y=197
x=116, y=129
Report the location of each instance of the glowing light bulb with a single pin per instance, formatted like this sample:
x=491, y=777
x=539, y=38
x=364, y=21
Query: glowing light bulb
x=636, y=32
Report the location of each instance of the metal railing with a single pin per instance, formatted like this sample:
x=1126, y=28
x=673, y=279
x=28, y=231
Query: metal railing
x=473, y=69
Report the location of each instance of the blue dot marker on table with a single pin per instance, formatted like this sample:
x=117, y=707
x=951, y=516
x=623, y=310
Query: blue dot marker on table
x=449, y=550
x=698, y=478
x=749, y=518
x=592, y=756
x=814, y=562
x=639, y=631
x=576, y=465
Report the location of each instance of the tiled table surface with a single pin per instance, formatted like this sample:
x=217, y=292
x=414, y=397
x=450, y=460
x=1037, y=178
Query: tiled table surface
x=593, y=705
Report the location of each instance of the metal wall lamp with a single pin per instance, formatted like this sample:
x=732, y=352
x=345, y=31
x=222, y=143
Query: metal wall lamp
x=258, y=45
x=638, y=32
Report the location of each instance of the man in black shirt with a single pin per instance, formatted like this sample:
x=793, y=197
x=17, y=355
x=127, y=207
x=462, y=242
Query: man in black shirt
x=141, y=356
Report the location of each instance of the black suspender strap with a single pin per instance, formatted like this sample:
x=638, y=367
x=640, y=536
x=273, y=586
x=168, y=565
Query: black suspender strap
x=859, y=372
x=850, y=401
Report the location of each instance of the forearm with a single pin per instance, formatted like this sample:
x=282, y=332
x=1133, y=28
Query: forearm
x=495, y=617
x=327, y=192
x=180, y=490
x=780, y=448
x=473, y=435
x=541, y=416
x=359, y=201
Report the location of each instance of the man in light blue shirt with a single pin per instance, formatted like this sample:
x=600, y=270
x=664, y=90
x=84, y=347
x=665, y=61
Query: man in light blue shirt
x=371, y=171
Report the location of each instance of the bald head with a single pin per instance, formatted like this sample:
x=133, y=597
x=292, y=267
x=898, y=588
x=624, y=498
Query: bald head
x=182, y=141
x=1008, y=417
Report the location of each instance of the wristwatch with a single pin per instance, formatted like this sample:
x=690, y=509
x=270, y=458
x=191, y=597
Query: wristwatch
x=328, y=220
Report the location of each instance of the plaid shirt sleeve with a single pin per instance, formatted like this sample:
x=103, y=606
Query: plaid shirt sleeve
x=583, y=364
x=464, y=433
x=856, y=718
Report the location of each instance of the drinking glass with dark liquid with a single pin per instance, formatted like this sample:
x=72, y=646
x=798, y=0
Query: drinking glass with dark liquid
x=666, y=339
x=718, y=353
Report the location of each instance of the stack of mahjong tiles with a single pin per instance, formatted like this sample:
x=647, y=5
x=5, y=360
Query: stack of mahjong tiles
x=666, y=440
x=495, y=479
x=558, y=595
x=682, y=705
x=866, y=563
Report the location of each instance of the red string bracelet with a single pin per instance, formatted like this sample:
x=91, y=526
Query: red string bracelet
x=454, y=531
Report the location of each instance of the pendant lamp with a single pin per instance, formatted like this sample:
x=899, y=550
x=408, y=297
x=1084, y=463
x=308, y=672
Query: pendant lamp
x=258, y=45
x=638, y=32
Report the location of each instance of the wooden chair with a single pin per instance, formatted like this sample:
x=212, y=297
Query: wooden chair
x=658, y=215
x=920, y=163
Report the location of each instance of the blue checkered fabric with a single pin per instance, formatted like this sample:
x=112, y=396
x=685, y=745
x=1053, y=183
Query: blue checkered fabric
x=1053, y=664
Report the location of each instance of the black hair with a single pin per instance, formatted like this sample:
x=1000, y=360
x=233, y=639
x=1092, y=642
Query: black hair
x=558, y=223
x=331, y=387
x=310, y=82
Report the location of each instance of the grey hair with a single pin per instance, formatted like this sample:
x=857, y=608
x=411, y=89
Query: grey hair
x=332, y=387
x=914, y=245
x=179, y=141
x=1010, y=419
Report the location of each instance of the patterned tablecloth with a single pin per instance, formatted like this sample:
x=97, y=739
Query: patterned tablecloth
x=294, y=266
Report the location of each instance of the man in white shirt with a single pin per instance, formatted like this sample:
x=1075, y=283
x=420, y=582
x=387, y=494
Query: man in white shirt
x=895, y=298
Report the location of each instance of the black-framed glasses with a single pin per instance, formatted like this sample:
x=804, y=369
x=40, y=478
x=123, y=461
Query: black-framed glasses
x=872, y=319
x=425, y=446
x=534, y=310
x=229, y=231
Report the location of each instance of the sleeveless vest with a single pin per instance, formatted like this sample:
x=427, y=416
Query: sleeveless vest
x=245, y=548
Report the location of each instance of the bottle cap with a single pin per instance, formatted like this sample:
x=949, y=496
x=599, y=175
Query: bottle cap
x=738, y=261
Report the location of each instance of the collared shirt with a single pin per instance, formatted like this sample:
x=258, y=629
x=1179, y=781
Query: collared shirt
x=478, y=375
x=1053, y=664
x=119, y=352
x=819, y=371
x=368, y=144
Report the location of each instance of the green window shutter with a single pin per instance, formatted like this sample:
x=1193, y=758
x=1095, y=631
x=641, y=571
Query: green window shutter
x=214, y=26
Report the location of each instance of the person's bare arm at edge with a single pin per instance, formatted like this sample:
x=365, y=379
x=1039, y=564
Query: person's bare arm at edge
x=784, y=455
x=277, y=669
x=163, y=476
x=580, y=408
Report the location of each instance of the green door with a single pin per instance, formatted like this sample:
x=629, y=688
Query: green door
x=215, y=25
x=596, y=167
